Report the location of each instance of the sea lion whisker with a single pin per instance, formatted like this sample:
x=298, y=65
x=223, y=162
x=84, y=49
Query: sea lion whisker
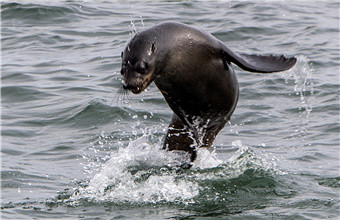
x=123, y=97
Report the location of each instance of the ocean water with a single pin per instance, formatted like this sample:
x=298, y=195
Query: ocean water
x=73, y=145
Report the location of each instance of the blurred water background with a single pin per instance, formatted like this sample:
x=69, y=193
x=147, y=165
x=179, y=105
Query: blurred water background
x=74, y=147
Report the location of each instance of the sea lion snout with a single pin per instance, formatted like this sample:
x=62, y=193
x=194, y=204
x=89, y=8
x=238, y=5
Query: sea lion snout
x=133, y=83
x=137, y=82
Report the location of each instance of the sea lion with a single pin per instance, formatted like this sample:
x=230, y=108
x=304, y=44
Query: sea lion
x=193, y=71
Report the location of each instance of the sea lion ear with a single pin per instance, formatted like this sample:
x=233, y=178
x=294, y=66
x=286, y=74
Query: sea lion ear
x=153, y=48
x=259, y=63
x=121, y=55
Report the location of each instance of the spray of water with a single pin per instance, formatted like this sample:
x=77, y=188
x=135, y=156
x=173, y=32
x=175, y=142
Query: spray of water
x=301, y=75
x=143, y=173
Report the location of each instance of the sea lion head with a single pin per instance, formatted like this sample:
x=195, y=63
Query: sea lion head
x=138, y=61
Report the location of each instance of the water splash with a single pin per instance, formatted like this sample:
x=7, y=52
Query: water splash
x=304, y=88
x=143, y=173
x=140, y=172
x=132, y=26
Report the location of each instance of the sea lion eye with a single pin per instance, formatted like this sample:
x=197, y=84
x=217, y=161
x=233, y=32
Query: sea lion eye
x=146, y=65
x=142, y=67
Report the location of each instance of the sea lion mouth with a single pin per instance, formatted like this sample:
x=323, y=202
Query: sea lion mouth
x=133, y=88
x=138, y=85
x=136, y=90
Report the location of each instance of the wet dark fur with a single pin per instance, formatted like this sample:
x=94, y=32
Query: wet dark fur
x=193, y=71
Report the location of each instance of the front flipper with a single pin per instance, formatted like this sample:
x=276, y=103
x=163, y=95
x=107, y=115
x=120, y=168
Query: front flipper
x=180, y=138
x=259, y=63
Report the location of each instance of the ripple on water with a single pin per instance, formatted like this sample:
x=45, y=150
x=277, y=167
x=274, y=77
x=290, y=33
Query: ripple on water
x=36, y=13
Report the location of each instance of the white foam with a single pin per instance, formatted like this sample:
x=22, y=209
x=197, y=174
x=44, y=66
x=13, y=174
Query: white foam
x=134, y=174
x=206, y=159
x=144, y=173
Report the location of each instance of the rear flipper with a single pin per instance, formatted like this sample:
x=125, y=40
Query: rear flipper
x=259, y=63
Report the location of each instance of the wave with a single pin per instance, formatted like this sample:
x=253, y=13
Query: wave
x=55, y=12
x=38, y=13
